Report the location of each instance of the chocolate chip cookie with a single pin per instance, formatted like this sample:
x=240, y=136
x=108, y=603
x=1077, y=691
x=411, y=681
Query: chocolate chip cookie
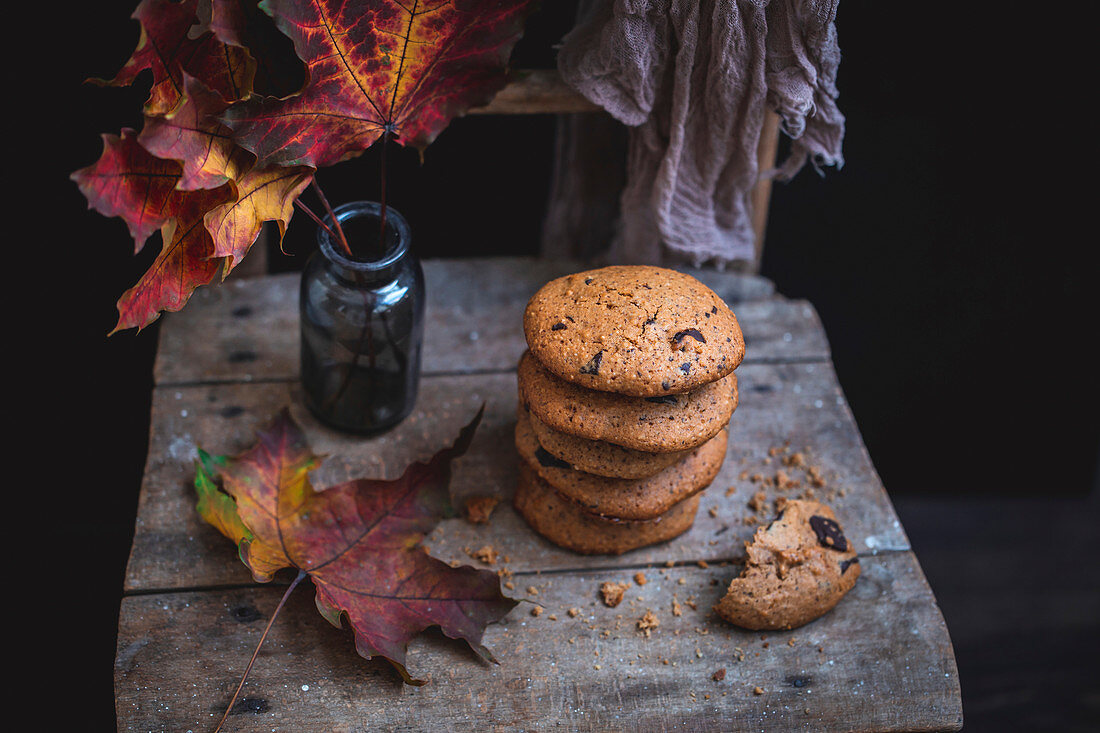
x=798, y=568
x=600, y=457
x=566, y=524
x=659, y=424
x=624, y=498
x=633, y=329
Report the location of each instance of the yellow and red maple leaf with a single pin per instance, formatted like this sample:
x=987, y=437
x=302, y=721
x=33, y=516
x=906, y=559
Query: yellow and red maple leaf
x=406, y=68
x=359, y=541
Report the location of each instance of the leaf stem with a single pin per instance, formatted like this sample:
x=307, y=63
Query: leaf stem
x=282, y=601
x=332, y=215
x=382, y=166
x=310, y=213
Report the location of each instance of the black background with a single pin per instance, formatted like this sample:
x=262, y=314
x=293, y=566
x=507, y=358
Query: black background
x=952, y=260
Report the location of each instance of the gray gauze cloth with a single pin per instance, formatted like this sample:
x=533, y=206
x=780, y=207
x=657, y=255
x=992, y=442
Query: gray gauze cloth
x=692, y=79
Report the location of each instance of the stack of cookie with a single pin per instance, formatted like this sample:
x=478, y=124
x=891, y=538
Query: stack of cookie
x=625, y=392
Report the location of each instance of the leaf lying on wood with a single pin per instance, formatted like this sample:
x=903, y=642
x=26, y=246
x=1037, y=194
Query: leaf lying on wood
x=359, y=542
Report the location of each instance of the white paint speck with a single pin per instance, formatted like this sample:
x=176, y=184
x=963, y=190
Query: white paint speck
x=305, y=688
x=182, y=448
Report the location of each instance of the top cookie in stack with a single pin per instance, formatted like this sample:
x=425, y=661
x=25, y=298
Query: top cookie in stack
x=626, y=387
x=633, y=330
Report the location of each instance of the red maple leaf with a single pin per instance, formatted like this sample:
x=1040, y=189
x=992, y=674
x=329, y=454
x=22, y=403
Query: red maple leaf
x=129, y=183
x=402, y=67
x=359, y=542
x=167, y=49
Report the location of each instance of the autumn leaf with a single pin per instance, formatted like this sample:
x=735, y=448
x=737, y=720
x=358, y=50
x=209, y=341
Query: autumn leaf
x=359, y=541
x=374, y=66
x=205, y=150
x=186, y=261
x=195, y=138
x=166, y=49
x=279, y=71
x=129, y=183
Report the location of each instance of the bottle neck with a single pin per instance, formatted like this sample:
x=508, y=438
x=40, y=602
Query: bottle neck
x=377, y=256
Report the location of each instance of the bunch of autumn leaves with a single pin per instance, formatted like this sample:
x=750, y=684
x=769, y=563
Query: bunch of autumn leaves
x=248, y=100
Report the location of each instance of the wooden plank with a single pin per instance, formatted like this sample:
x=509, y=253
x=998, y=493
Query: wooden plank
x=800, y=403
x=881, y=660
x=536, y=91
x=761, y=193
x=248, y=330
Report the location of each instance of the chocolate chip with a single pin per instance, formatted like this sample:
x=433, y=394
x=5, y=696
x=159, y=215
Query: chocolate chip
x=847, y=564
x=714, y=309
x=664, y=399
x=693, y=332
x=828, y=533
x=588, y=281
x=547, y=459
x=593, y=365
x=664, y=386
x=685, y=367
x=557, y=327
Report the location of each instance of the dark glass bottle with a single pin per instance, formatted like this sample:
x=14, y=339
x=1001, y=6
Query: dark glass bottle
x=362, y=322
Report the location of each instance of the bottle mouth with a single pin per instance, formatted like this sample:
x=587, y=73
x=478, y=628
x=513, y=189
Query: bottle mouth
x=363, y=218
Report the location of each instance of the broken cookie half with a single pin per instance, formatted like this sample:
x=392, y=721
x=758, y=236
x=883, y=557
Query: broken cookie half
x=798, y=568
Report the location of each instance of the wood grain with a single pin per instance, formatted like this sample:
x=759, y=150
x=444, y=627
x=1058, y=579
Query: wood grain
x=473, y=322
x=874, y=663
x=191, y=613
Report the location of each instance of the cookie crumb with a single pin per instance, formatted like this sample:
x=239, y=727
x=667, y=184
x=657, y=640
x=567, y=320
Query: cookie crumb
x=677, y=609
x=648, y=622
x=486, y=555
x=719, y=675
x=758, y=690
x=758, y=501
x=702, y=563
x=478, y=508
x=639, y=578
x=574, y=612
x=612, y=593
x=795, y=460
x=536, y=611
x=784, y=482
x=532, y=590
x=713, y=511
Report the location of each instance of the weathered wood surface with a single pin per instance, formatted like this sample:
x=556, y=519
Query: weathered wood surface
x=870, y=664
x=228, y=363
x=248, y=331
x=800, y=403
